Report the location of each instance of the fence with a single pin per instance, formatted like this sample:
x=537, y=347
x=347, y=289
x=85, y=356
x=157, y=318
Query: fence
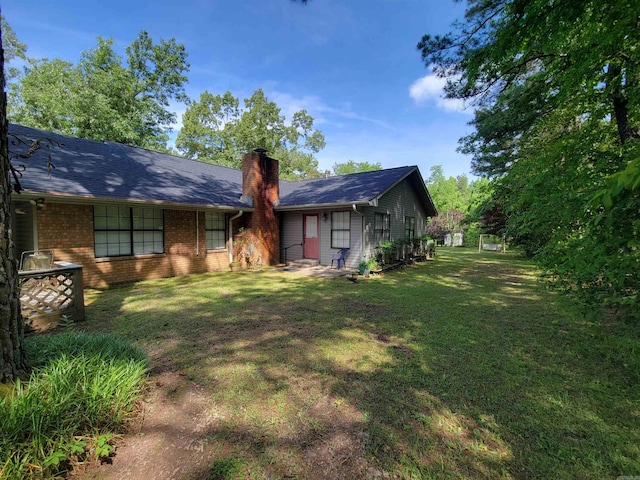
x=47, y=295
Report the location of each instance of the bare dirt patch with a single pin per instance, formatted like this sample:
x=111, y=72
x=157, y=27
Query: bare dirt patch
x=180, y=433
x=169, y=438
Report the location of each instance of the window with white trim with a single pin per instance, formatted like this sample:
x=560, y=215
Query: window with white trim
x=409, y=227
x=382, y=227
x=215, y=230
x=341, y=229
x=127, y=230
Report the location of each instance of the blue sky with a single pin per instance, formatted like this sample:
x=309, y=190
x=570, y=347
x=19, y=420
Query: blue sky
x=352, y=64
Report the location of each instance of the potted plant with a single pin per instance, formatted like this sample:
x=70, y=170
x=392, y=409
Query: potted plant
x=365, y=266
x=362, y=266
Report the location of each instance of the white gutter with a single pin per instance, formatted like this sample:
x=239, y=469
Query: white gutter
x=238, y=215
x=355, y=209
x=93, y=200
x=316, y=206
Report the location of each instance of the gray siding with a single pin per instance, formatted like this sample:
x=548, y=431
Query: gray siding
x=291, y=234
x=400, y=202
x=356, y=240
x=355, y=243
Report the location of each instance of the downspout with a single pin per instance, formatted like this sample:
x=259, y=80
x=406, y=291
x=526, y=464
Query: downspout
x=238, y=215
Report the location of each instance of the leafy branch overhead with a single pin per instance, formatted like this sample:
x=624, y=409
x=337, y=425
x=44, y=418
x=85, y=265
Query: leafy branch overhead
x=557, y=86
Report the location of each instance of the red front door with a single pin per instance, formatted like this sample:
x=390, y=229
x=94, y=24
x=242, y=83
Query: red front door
x=310, y=236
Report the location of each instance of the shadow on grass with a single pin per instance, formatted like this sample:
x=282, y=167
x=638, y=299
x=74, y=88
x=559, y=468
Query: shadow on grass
x=461, y=367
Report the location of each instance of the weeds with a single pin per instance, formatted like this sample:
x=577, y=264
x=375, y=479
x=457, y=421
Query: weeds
x=83, y=388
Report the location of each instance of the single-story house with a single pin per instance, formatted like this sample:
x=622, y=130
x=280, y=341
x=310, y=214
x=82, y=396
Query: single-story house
x=126, y=213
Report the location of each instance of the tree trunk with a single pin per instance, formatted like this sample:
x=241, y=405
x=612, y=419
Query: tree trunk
x=12, y=355
x=615, y=82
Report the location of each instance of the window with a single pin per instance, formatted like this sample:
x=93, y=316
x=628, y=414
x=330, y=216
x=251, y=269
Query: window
x=409, y=227
x=215, y=230
x=340, y=229
x=381, y=227
x=127, y=231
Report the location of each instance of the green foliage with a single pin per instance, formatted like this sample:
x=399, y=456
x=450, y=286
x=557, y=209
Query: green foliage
x=557, y=129
x=103, y=447
x=83, y=388
x=104, y=97
x=370, y=264
x=226, y=469
x=453, y=193
x=472, y=236
x=217, y=130
x=389, y=252
x=12, y=47
x=355, y=167
x=459, y=202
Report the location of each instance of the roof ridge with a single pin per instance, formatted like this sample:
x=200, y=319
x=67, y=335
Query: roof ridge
x=295, y=182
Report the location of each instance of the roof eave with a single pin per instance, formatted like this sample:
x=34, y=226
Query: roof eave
x=323, y=206
x=84, y=199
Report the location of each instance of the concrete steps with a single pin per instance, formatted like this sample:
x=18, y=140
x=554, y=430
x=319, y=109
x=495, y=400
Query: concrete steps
x=304, y=263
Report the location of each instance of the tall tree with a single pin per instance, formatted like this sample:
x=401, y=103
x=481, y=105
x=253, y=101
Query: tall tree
x=13, y=361
x=558, y=89
x=355, y=167
x=217, y=130
x=458, y=202
x=453, y=193
x=102, y=97
x=13, y=48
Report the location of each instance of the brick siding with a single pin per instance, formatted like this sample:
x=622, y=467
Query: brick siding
x=68, y=230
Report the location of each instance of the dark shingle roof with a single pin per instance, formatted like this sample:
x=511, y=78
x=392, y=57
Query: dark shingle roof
x=356, y=188
x=353, y=188
x=111, y=171
x=107, y=170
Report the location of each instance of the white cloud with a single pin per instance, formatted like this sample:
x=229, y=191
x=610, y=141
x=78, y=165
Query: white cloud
x=430, y=89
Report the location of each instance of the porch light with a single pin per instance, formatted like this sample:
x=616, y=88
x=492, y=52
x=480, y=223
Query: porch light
x=38, y=202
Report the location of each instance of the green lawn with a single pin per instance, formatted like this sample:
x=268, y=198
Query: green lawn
x=461, y=367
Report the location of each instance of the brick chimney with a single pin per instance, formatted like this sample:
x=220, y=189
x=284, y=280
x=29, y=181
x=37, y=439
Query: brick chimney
x=261, y=190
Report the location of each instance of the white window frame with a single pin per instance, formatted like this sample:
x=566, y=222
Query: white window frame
x=341, y=229
x=215, y=225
